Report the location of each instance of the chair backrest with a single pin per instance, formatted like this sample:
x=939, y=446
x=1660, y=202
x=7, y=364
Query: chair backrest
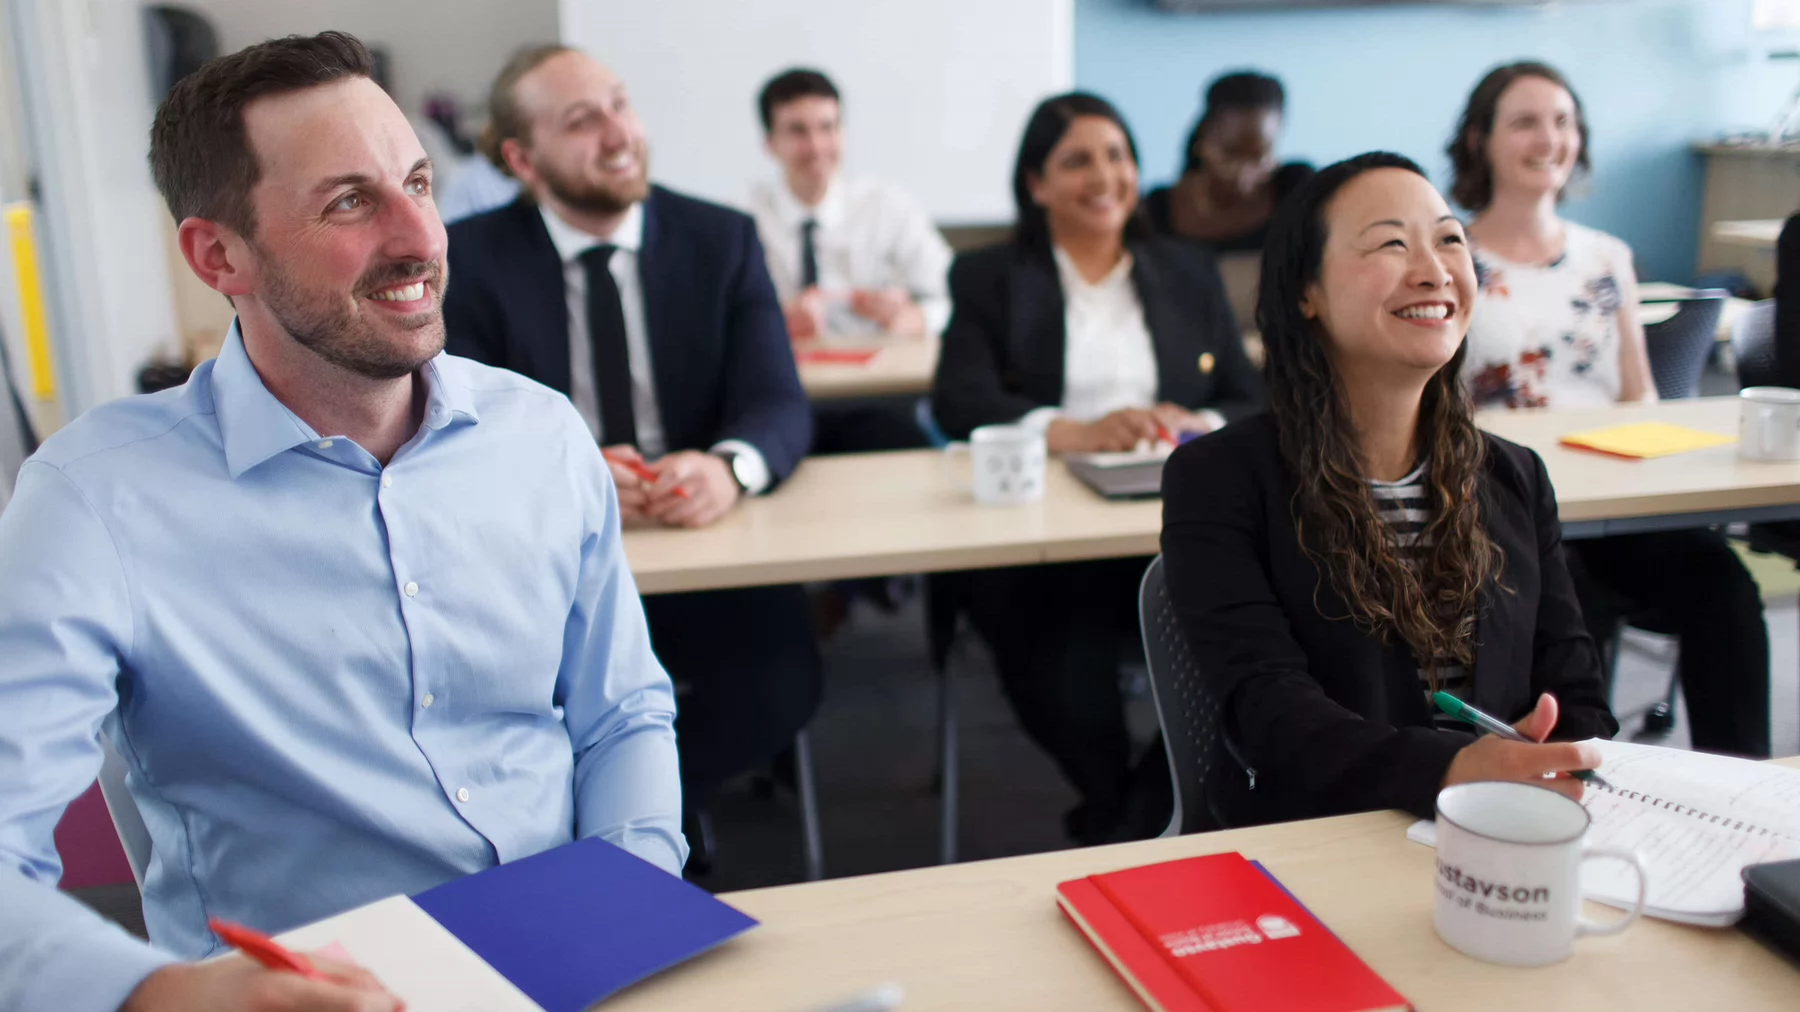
x=129, y=823
x=1753, y=345
x=17, y=441
x=1680, y=346
x=1185, y=708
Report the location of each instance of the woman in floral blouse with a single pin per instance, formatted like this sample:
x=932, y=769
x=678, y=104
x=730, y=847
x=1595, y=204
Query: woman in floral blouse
x=1556, y=326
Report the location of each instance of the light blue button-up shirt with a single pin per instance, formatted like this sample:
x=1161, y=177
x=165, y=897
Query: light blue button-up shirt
x=332, y=681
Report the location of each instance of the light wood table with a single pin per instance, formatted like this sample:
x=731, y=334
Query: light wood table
x=874, y=514
x=1759, y=233
x=902, y=365
x=1597, y=494
x=871, y=514
x=988, y=935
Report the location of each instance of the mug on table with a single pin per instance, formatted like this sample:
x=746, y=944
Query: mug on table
x=1007, y=464
x=1508, y=884
x=1769, y=423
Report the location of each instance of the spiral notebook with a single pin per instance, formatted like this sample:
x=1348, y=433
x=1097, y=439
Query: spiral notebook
x=1698, y=820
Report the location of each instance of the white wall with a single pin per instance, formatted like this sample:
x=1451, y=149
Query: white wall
x=936, y=92
x=449, y=45
x=85, y=84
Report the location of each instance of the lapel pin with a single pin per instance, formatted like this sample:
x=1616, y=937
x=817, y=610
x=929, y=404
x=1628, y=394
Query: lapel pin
x=1206, y=363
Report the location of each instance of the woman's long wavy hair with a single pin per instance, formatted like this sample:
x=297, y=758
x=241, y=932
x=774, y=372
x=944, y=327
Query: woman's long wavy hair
x=1431, y=603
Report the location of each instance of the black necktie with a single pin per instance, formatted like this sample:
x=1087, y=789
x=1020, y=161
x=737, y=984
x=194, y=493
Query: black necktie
x=809, y=256
x=612, y=360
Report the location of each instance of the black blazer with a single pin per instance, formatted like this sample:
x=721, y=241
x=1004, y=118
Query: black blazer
x=719, y=347
x=1003, y=351
x=1787, y=303
x=1330, y=718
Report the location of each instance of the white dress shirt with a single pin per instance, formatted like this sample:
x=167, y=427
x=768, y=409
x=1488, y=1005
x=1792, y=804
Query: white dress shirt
x=1109, y=359
x=571, y=243
x=869, y=236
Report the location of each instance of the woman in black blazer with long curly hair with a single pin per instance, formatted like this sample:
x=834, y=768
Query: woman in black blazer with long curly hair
x=1091, y=330
x=1335, y=561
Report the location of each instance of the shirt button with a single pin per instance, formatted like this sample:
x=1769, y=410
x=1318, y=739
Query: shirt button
x=462, y=794
x=427, y=701
x=324, y=444
x=387, y=481
x=411, y=589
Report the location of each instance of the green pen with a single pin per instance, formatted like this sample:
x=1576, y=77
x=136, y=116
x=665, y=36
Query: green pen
x=1469, y=715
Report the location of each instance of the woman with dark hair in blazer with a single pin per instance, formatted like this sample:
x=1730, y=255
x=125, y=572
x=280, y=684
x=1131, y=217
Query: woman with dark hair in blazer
x=1334, y=562
x=1090, y=330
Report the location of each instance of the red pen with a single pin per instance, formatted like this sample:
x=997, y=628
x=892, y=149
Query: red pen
x=637, y=467
x=1163, y=433
x=264, y=950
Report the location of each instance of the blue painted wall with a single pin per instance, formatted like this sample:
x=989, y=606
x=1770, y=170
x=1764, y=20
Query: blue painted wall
x=1654, y=75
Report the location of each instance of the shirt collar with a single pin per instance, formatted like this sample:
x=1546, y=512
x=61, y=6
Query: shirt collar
x=571, y=242
x=1071, y=278
x=829, y=212
x=255, y=426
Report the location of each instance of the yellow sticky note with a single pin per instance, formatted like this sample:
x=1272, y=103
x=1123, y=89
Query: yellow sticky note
x=1645, y=439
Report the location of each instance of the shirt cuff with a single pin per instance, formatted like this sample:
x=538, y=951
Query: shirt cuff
x=1212, y=418
x=750, y=459
x=1039, y=420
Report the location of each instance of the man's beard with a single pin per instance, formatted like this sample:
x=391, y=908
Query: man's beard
x=598, y=198
x=321, y=323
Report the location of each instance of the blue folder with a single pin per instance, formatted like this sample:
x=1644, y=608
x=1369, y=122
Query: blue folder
x=572, y=925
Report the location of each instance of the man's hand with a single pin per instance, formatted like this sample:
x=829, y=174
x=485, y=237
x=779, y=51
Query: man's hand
x=634, y=492
x=1121, y=430
x=1495, y=758
x=892, y=309
x=707, y=480
x=806, y=315
x=235, y=984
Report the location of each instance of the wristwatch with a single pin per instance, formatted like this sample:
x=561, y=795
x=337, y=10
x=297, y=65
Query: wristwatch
x=738, y=465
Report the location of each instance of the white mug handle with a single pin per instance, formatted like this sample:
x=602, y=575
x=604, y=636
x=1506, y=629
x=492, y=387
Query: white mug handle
x=1587, y=928
x=951, y=452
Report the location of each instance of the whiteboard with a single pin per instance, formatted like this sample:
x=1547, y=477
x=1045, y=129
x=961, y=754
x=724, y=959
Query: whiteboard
x=935, y=92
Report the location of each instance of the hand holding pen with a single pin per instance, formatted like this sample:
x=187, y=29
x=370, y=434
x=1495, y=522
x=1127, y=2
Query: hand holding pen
x=1519, y=753
x=268, y=976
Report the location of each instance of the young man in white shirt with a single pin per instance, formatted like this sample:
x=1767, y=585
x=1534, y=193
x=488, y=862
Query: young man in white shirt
x=850, y=256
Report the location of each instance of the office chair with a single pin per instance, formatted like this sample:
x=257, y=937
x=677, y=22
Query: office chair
x=1186, y=708
x=128, y=822
x=1753, y=346
x=1680, y=346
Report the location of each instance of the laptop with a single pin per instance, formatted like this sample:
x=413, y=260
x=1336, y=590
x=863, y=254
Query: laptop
x=1130, y=475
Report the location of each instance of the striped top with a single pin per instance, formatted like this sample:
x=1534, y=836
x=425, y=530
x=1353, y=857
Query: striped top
x=1405, y=507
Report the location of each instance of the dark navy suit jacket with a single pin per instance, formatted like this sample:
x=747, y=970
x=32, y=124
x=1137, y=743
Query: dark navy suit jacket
x=718, y=342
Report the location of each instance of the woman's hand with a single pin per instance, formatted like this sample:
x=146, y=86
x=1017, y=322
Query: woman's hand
x=1546, y=765
x=1119, y=431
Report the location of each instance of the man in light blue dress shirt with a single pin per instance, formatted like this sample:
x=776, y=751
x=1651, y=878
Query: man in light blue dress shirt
x=354, y=612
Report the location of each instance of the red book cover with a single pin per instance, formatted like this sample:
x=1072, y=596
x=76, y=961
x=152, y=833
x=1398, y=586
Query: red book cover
x=836, y=356
x=1217, y=934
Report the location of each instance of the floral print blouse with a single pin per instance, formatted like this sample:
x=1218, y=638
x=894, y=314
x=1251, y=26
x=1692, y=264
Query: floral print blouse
x=1548, y=336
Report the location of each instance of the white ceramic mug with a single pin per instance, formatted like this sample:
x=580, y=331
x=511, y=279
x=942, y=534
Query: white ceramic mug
x=1769, y=423
x=1007, y=464
x=1509, y=873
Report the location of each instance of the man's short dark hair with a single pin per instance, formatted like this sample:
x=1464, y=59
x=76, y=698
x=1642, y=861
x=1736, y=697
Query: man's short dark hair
x=199, y=150
x=789, y=85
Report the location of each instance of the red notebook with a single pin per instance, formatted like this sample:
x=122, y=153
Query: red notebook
x=1218, y=934
x=836, y=356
